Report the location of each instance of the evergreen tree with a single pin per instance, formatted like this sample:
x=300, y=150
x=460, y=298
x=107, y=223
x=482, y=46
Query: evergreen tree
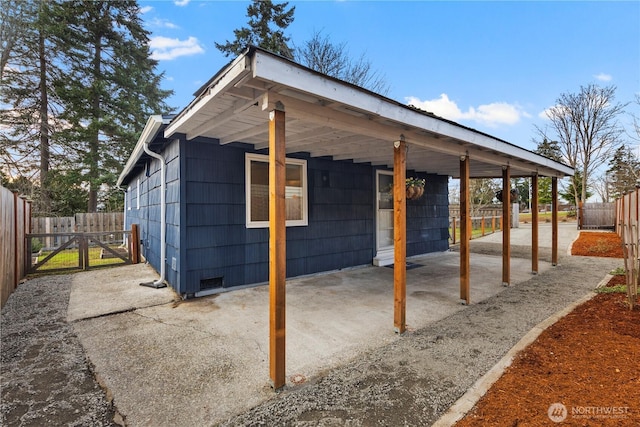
x=267, y=22
x=551, y=150
x=623, y=172
x=28, y=102
x=575, y=188
x=109, y=87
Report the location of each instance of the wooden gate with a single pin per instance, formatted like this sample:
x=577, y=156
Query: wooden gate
x=80, y=251
x=597, y=215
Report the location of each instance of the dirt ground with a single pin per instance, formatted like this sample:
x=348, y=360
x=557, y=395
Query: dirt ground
x=582, y=371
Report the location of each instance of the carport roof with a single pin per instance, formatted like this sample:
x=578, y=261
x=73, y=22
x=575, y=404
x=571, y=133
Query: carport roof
x=329, y=117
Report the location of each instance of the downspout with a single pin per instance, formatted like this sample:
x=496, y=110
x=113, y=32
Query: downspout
x=163, y=219
x=124, y=218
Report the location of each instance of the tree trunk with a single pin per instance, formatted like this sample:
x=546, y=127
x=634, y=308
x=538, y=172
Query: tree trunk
x=45, y=199
x=94, y=156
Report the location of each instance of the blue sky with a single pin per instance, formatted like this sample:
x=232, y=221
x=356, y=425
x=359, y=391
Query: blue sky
x=493, y=66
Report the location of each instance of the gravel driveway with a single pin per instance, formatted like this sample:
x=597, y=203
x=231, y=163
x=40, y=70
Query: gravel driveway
x=46, y=378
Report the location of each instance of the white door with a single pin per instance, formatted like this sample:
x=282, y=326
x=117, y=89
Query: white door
x=384, y=218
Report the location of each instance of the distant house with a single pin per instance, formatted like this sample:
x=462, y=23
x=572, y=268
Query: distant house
x=339, y=171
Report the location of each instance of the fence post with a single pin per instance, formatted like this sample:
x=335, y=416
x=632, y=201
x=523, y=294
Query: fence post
x=493, y=223
x=482, y=226
x=453, y=230
x=81, y=261
x=135, y=244
x=86, y=251
x=16, y=279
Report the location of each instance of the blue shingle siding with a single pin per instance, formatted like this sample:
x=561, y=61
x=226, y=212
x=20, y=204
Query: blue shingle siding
x=206, y=222
x=428, y=217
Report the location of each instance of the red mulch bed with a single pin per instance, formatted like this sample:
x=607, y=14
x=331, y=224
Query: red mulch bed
x=589, y=361
x=592, y=243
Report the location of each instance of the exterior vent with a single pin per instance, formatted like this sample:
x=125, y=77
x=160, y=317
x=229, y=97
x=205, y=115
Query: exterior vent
x=211, y=283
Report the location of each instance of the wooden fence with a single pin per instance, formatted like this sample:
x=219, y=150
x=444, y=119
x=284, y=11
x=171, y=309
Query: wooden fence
x=596, y=215
x=80, y=223
x=627, y=225
x=15, y=219
x=487, y=211
x=480, y=226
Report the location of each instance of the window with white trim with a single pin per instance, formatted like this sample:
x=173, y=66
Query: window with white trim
x=257, y=191
x=130, y=195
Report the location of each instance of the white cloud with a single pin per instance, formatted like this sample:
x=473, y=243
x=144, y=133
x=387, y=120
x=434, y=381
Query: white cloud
x=544, y=114
x=554, y=109
x=163, y=23
x=146, y=9
x=165, y=48
x=494, y=114
x=181, y=2
x=603, y=77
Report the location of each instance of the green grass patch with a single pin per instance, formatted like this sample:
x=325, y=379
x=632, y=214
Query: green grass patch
x=622, y=289
x=546, y=217
x=69, y=258
x=619, y=271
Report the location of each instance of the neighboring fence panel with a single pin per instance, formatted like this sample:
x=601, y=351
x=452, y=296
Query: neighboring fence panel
x=597, y=215
x=15, y=216
x=106, y=223
x=627, y=226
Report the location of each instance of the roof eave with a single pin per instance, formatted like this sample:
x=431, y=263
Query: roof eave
x=149, y=133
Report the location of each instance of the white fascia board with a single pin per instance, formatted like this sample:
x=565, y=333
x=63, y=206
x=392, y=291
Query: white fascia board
x=227, y=77
x=286, y=73
x=148, y=134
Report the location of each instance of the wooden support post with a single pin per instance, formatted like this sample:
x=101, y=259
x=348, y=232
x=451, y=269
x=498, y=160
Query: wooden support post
x=534, y=224
x=134, y=244
x=465, y=230
x=277, y=246
x=506, y=223
x=554, y=221
x=85, y=250
x=399, y=235
x=493, y=224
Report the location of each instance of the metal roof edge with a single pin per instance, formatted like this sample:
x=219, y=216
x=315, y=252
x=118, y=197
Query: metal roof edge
x=507, y=147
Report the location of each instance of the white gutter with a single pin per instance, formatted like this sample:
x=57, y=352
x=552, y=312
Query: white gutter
x=148, y=134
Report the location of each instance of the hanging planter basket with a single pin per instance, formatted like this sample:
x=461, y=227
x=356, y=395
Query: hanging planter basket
x=415, y=188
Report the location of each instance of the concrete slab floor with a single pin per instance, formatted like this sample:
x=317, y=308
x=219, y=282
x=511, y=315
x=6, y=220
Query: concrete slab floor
x=198, y=362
